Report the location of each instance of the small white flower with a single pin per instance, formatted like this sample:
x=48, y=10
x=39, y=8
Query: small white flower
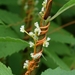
x=36, y=56
x=44, y=3
x=46, y=42
x=31, y=34
x=31, y=44
x=22, y=29
x=42, y=10
x=32, y=55
x=48, y=39
x=37, y=30
x=26, y=64
x=40, y=13
x=36, y=24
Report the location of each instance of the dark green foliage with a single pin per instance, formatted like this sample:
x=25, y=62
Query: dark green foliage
x=4, y=70
x=13, y=49
x=9, y=46
x=58, y=71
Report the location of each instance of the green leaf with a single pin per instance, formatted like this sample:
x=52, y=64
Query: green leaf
x=8, y=2
x=56, y=59
x=9, y=46
x=68, y=5
x=9, y=17
x=4, y=70
x=49, y=62
x=55, y=32
x=56, y=7
x=16, y=65
x=70, y=61
x=59, y=48
x=1, y=23
x=6, y=31
x=54, y=28
x=57, y=37
x=58, y=71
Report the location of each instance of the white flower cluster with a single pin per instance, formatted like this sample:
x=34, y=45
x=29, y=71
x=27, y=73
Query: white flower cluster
x=44, y=3
x=35, y=35
x=31, y=44
x=35, y=56
x=37, y=30
x=22, y=29
x=26, y=63
x=46, y=42
x=43, y=8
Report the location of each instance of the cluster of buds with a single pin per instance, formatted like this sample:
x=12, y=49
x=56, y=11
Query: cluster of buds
x=35, y=34
x=27, y=63
x=37, y=55
x=43, y=7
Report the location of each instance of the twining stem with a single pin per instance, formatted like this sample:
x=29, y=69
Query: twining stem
x=44, y=19
x=38, y=44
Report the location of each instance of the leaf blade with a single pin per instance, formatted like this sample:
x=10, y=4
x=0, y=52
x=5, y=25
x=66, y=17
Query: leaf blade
x=9, y=46
x=63, y=38
x=5, y=32
x=58, y=71
x=4, y=70
x=56, y=59
x=66, y=6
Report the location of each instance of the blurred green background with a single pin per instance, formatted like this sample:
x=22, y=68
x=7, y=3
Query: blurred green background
x=61, y=51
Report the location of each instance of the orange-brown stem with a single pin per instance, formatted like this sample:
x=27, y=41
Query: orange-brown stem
x=48, y=9
x=44, y=29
